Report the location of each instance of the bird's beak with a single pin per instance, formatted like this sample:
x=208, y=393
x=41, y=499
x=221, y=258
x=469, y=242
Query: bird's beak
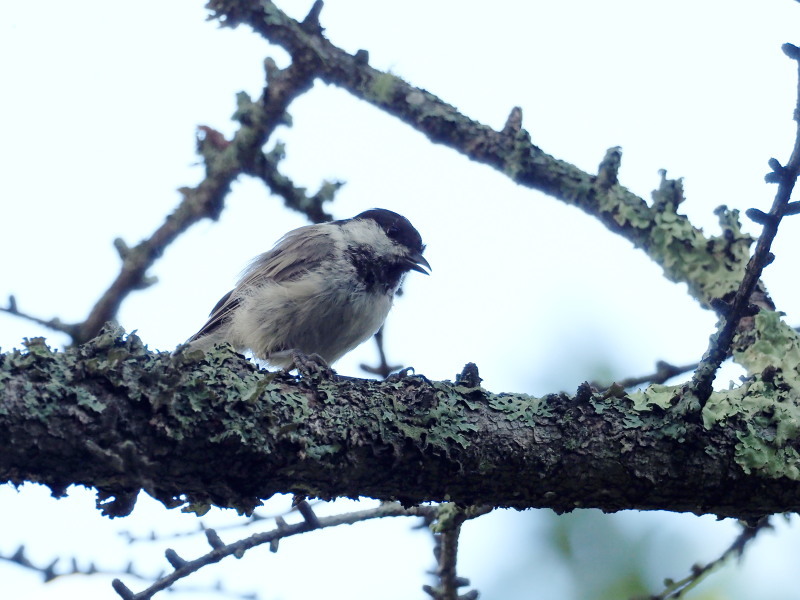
x=417, y=262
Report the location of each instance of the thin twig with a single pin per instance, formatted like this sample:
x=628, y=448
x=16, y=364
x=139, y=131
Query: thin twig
x=663, y=372
x=785, y=177
x=256, y=517
x=446, y=532
x=448, y=556
x=49, y=572
x=676, y=589
x=55, y=323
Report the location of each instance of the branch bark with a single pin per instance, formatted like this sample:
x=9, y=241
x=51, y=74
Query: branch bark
x=197, y=431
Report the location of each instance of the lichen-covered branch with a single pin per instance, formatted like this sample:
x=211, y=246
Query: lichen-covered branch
x=712, y=266
x=113, y=415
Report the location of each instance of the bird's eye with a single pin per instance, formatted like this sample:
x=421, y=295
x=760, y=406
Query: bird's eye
x=393, y=231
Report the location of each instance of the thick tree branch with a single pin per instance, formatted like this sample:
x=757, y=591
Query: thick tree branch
x=115, y=416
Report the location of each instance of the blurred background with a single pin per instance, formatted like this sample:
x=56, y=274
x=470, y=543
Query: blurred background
x=99, y=111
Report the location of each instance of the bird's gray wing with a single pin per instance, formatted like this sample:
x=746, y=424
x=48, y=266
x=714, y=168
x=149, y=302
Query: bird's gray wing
x=217, y=316
x=280, y=264
x=298, y=252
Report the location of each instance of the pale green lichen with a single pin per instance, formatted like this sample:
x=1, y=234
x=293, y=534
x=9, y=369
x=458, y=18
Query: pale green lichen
x=382, y=87
x=711, y=267
x=757, y=454
x=768, y=404
x=662, y=396
x=776, y=345
x=626, y=213
x=447, y=515
x=766, y=408
x=520, y=407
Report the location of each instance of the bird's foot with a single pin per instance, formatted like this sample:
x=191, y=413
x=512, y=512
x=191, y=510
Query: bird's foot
x=311, y=366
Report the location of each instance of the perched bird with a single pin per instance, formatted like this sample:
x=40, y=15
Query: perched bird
x=323, y=289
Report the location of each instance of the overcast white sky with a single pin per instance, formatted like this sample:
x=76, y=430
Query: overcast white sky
x=100, y=103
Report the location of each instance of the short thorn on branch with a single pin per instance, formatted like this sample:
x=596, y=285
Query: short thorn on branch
x=311, y=23
x=607, y=174
x=513, y=125
x=791, y=51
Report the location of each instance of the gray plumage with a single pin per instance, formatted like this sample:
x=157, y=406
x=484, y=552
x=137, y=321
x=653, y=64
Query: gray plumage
x=323, y=289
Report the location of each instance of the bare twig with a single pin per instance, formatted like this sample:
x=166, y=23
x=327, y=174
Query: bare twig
x=446, y=531
x=663, y=372
x=55, y=323
x=252, y=519
x=676, y=589
x=50, y=571
x=739, y=307
x=309, y=516
x=184, y=568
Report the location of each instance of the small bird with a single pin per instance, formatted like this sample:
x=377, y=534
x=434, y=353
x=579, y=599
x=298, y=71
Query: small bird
x=322, y=290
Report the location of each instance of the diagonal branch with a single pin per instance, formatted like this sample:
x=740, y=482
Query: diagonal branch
x=677, y=589
x=204, y=201
x=224, y=162
x=785, y=177
x=667, y=237
x=56, y=324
